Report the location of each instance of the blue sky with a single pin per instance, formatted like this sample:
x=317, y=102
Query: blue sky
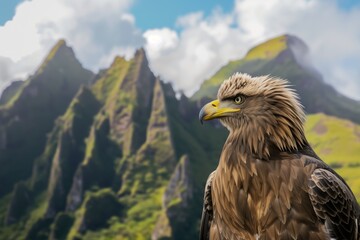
x=149, y=15
x=7, y=10
x=177, y=38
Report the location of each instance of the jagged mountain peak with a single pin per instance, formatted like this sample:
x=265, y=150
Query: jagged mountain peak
x=62, y=57
x=59, y=48
x=140, y=57
x=140, y=52
x=126, y=89
x=60, y=42
x=118, y=60
x=34, y=106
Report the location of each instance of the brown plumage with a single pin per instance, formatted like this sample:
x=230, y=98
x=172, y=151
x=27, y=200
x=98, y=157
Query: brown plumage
x=269, y=183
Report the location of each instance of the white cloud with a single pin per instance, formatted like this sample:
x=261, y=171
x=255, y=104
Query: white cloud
x=95, y=29
x=201, y=48
x=6, y=66
x=332, y=34
x=206, y=43
x=190, y=20
x=159, y=41
x=99, y=30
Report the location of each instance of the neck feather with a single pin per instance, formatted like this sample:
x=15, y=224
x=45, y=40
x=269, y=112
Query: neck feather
x=267, y=139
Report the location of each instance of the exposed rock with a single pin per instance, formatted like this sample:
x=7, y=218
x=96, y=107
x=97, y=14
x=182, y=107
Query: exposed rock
x=97, y=167
x=56, y=188
x=158, y=127
x=31, y=113
x=132, y=104
x=75, y=196
x=176, y=202
x=70, y=149
x=179, y=189
x=157, y=152
x=162, y=228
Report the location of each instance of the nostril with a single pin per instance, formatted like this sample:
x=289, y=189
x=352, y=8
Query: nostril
x=213, y=105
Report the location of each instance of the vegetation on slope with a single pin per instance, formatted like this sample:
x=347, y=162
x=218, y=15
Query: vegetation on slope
x=337, y=142
x=29, y=115
x=285, y=57
x=269, y=49
x=253, y=60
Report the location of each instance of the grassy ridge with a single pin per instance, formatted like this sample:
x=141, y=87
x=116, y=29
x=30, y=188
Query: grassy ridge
x=337, y=142
x=259, y=54
x=268, y=49
x=277, y=57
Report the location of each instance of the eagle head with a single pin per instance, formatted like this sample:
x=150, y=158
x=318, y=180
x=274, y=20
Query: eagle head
x=257, y=110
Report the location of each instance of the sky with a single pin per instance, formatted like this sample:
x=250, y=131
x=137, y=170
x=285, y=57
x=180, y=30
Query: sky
x=186, y=41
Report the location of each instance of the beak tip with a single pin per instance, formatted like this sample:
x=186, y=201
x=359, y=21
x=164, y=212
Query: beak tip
x=201, y=115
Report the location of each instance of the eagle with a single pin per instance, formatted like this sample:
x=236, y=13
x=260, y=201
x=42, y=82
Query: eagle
x=269, y=183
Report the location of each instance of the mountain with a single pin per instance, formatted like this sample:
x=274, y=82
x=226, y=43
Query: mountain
x=287, y=57
x=30, y=110
x=122, y=157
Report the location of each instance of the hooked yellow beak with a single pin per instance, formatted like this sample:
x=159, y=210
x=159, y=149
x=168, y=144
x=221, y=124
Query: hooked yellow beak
x=214, y=110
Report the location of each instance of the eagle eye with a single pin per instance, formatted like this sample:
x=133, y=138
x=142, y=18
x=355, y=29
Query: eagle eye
x=238, y=99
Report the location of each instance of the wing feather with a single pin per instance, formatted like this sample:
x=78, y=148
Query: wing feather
x=334, y=204
x=207, y=213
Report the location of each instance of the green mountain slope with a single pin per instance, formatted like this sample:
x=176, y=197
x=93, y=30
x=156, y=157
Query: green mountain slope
x=285, y=57
x=29, y=114
x=112, y=147
x=337, y=142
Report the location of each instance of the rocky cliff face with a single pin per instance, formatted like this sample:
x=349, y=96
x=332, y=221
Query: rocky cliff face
x=29, y=115
x=129, y=100
x=179, y=189
x=176, y=203
x=75, y=126
x=116, y=134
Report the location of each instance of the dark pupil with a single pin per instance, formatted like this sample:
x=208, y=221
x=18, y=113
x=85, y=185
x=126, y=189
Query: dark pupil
x=237, y=99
